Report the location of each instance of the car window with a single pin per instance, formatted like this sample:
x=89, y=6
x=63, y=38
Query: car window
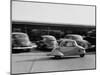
x=69, y=44
x=20, y=36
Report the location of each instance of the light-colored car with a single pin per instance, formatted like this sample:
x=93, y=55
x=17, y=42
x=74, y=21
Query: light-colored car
x=68, y=47
x=20, y=41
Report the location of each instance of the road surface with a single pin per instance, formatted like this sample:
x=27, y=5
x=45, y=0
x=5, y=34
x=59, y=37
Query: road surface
x=40, y=62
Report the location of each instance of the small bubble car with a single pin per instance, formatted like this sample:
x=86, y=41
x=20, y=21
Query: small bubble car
x=68, y=47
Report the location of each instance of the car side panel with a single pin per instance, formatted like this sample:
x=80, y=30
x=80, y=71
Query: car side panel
x=70, y=50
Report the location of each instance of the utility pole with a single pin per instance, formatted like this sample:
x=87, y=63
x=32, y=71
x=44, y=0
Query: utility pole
x=25, y=28
x=48, y=30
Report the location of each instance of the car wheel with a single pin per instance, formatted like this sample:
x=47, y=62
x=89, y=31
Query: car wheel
x=82, y=55
x=57, y=57
x=27, y=50
x=16, y=51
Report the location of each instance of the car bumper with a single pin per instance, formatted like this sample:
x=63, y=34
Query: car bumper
x=30, y=47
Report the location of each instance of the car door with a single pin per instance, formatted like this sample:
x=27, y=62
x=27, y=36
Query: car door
x=69, y=48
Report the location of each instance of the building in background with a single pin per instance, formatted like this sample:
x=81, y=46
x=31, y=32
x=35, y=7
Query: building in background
x=35, y=30
x=40, y=18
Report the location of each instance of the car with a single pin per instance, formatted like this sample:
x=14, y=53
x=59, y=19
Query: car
x=74, y=37
x=79, y=39
x=47, y=43
x=21, y=42
x=68, y=47
x=91, y=49
x=91, y=37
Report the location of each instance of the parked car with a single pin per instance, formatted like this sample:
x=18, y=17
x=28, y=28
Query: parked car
x=68, y=47
x=79, y=39
x=91, y=37
x=48, y=42
x=21, y=42
x=74, y=37
x=91, y=49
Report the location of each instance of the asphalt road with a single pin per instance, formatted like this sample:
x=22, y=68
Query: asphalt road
x=39, y=62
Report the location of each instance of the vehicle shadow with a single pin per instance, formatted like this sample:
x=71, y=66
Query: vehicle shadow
x=48, y=59
x=69, y=57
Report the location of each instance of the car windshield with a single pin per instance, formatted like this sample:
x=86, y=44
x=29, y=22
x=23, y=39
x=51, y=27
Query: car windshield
x=19, y=36
x=68, y=44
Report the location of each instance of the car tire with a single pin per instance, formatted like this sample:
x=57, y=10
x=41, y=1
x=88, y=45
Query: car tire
x=15, y=51
x=82, y=55
x=57, y=57
x=27, y=50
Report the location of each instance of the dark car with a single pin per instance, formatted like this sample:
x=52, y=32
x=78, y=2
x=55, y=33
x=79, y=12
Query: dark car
x=48, y=42
x=74, y=37
x=91, y=37
x=21, y=42
x=79, y=39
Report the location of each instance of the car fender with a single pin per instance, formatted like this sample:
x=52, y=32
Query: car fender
x=57, y=53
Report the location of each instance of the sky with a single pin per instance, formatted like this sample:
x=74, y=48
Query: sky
x=53, y=13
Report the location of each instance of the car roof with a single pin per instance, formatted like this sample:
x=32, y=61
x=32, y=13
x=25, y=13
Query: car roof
x=67, y=40
x=75, y=36
x=50, y=37
x=47, y=36
x=19, y=33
